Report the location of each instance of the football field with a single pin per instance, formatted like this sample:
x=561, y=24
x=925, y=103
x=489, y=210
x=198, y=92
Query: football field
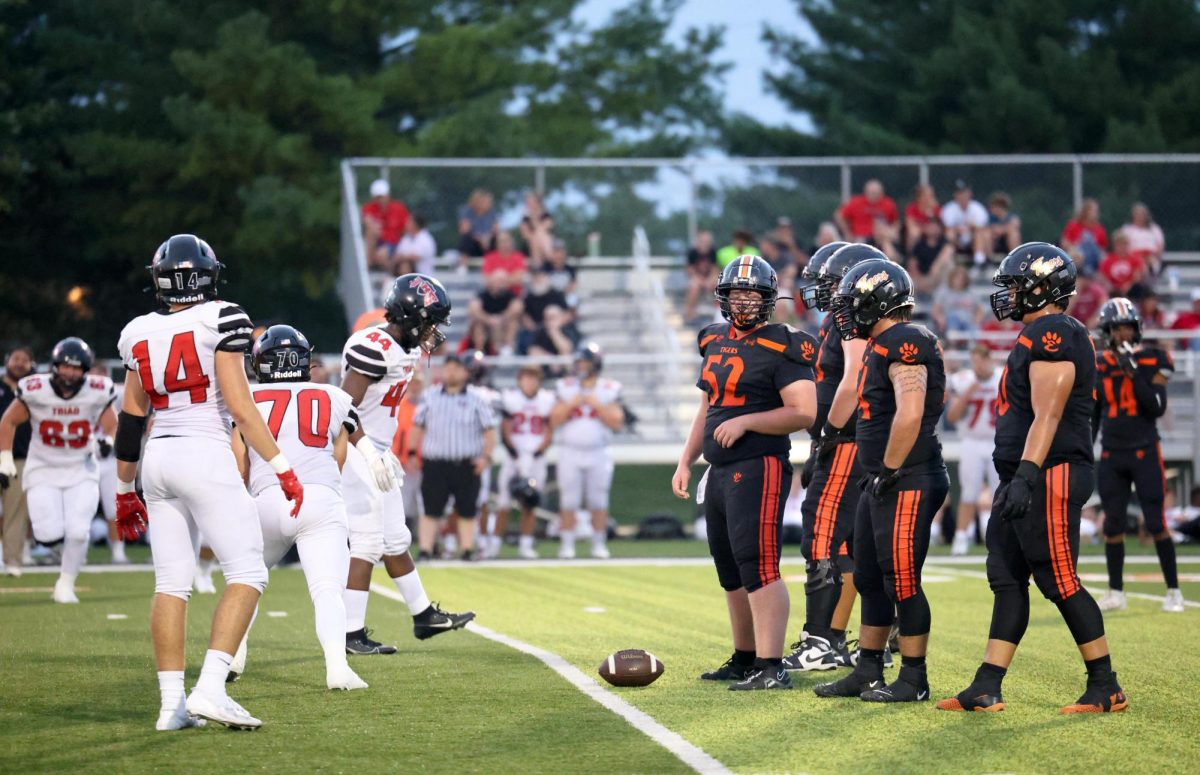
x=79, y=693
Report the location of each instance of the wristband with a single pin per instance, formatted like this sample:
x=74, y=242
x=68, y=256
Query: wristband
x=366, y=448
x=6, y=459
x=279, y=464
x=124, y=488
x=1028, y=470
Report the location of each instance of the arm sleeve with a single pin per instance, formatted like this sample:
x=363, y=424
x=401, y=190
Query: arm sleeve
x=234, y=329
x=1151, y=398
x=363, y=357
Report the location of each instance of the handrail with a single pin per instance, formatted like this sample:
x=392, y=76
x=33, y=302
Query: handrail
x=782, y=161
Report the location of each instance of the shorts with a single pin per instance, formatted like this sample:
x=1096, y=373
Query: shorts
x=497, y=303
x=974, y=466
x=584, y=478
x=526, y=467
x=441, y=479
x=1118, y=471
x=743, y=508
x=830, y=503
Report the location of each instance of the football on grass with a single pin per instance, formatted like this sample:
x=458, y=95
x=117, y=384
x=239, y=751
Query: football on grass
x=631, y=667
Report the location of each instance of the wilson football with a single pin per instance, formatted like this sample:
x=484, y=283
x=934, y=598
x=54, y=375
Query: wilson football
x=631, y=667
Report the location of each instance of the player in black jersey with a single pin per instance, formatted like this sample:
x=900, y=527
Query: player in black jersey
x=756, y=388
x=832, y=492
x=901, y=392
x=1044, y=458
x=1131, y=394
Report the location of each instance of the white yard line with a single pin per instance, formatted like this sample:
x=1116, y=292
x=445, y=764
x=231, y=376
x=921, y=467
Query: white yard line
x=687, y=753
x=1097, y=591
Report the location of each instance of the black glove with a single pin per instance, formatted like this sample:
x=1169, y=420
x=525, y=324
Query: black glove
x=537, y=453
x=1014, y=500
x=104, y=447
x=810, y=465
x=830, y=438
x=880, y=484
x=1125, y=359
x=3, y=482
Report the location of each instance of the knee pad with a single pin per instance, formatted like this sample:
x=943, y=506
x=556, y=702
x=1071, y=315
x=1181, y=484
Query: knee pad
x=1082, y=616
x=249, y=570
x=1114, y=524
x=395, y=541
x=821, y=574
x=877, y=609
x=913, y=614
x=1010, y=614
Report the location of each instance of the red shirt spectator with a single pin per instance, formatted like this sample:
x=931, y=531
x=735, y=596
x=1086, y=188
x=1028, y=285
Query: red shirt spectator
x=508, y=260
x=1122, y=269
x=860, y=213
x=1000, y=343
x=1188, y=321
x=1086, y=220
x=1088, y=299
x=390, y=214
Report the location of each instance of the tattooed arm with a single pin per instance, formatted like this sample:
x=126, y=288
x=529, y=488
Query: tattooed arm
x=909, y=383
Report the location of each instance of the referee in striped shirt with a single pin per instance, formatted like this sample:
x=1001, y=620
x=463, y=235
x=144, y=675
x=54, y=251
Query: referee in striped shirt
x=455, y=429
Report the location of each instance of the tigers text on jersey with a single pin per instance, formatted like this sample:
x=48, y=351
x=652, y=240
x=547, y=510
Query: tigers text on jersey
x=304, y=418
x=1122, y=423
x=528, y=418
x=60, y=449
x=980, y=420
x=1057, y=338
x=173, y=355
x=907, y=344
x=376, y=353
x=584, y=429
x=745, y=376
x=830, y=366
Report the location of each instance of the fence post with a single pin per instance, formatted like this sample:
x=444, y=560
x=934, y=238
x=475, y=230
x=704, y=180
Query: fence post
x=691, y=207
x=845, y=181
x=1077, y=182
x=923, y=172
x=539, y=180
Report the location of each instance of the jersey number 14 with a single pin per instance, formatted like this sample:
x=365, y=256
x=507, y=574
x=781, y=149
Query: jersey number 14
x=181, y=375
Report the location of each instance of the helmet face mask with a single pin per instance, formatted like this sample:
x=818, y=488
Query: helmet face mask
x=75, y=354
x=281, y=354
x=818, y=293
x=753, y=276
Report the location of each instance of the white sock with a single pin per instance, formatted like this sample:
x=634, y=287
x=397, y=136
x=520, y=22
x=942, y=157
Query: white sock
x=599, y=540
x=170, y=688
x=961, y=533
x=204, y=566
x=526, y=543
x=413, y=592
x=118, y=550
x=567, y=540
x=74, y=552
x=450, y=543
x=68, y=578
x=330, y=611
x=355, y=601
x=213, y=673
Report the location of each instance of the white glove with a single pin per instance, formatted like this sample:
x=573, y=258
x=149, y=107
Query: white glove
x=8, y=466
x=381, y=466
x=397, y=469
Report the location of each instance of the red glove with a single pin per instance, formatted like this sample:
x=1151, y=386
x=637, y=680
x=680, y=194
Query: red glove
x=292, y=489
x=132, y=518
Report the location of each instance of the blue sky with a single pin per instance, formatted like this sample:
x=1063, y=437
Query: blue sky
x=743, y=22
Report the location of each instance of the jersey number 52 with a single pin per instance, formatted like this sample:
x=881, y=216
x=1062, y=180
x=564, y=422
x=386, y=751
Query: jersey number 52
x=722, y=374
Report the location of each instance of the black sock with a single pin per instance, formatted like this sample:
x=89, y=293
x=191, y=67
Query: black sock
x=1166, y=558
x=767, y=663
x=870, y=663
x=1099, y=670
x=837, y=637
x=912, y=661
x=1114, y=558
x=990, y=675
x=743, y=658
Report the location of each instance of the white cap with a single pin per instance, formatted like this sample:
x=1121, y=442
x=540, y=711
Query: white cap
x=380, y=188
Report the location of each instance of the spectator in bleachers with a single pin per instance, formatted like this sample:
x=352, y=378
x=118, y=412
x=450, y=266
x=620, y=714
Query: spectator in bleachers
x=957, y=310
x=477, y=224
x=827, y=232
x=536, y=229
x=1004, y=226
x=478, y=338
x=869, y=217
x=784, y=238
x=1121, y=268
x=539, y=297
x=1145, y=237
x=966, y=222
x=383, y=220
x=416, y=250
x=1084, y=236
x=1089, y=297
x=1000, y=335
x=553, y=337
x=1189, y=320
x=921, y=210
x=741, y=244
x=785, y=269
x=1149, y=307
x=562, y=274
x=499, y=309
x=507, y=264
x=701, y=271
x=929, y=257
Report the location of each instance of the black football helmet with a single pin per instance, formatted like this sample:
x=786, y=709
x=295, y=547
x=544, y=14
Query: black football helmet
x=1033, y=275
x=281, y=354
x=418, y=305
x=748, y=273
x=525, y=492
x=185, y=270
x=812, y=271
x=837, y=265
x=589, y=353
x=1116, y=312
x=870, y=291
x=71, y=351
x=477, y=369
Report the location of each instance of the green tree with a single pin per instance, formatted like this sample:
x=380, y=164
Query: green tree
x=124, y=121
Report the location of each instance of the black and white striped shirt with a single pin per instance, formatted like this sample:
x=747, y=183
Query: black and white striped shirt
x=454, y=423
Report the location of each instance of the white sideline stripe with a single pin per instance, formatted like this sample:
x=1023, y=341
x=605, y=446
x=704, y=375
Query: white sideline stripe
x=1098, y=591
x=643, y=722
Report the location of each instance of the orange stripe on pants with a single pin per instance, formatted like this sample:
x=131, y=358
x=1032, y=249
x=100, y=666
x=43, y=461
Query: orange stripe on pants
x=767, y=540
x=903, y=530
x=1057, y=531
x=831, y=499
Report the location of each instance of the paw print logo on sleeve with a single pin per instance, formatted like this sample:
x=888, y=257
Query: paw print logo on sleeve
x=807, y=350
x=908, y=352
x=1051, y=341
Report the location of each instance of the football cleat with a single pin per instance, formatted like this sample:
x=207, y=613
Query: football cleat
x=961, y=545
x=1113, y=600
x=1173, y=602
x=973, y=699
x=223, y=710
x=911, y=685
x=439, y=621
x=203, y=583
x=1101, y=698
x=600, y=553
x=811, y=653
x=852, y=685
x=527, y=553
x=64, y=591
x=566, y=554
x=359, y=642
x=171, y=719
x=728, y=671
x=763, y=678
x=843, y=655
x=342, y=677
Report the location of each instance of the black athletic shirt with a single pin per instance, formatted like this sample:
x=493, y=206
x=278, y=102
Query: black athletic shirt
x=1057, y=337
x=909, y=344
x=1123, y=425
x=744, y=376
x=831, y=365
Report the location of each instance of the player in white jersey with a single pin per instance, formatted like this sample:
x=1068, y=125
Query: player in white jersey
x=377, y=364
x=108, y=474
x=61, y=477
x=588, y=411
x=525, y=431
x=312, y=423
x=973, y=410
x=185, y=361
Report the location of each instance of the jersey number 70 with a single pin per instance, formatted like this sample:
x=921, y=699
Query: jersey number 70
x=312, y=414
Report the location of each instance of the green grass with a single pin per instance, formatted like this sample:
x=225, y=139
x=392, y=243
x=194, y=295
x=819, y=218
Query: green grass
x=80, y=695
